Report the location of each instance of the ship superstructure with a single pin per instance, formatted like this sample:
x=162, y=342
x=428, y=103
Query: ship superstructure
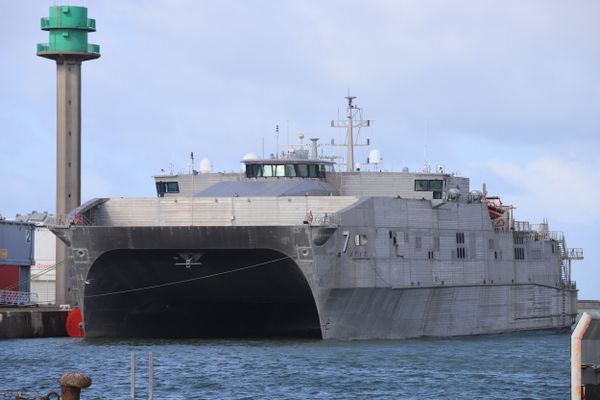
x=293, y=247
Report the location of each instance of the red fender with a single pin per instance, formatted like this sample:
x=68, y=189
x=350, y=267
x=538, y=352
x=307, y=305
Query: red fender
x=74, y=323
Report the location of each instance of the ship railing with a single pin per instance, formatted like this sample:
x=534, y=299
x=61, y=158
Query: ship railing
x=522, y=226
x=15, y=298
x=323, y=219
x=67, y=220
x=526, y=226
x=574, y=253
x=556, y=235
x=569, y=284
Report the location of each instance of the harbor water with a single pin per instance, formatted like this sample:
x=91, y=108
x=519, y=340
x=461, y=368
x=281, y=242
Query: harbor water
x=531, y=365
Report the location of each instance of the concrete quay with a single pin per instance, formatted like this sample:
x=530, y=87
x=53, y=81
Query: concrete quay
x=32, y=322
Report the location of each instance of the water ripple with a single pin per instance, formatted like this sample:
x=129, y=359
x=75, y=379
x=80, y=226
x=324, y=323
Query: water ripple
x=530, y=365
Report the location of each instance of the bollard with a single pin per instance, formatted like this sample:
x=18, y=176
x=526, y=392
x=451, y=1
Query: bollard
x=71, y=384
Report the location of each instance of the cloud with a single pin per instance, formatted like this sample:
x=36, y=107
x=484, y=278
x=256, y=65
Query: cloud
x=565, y=190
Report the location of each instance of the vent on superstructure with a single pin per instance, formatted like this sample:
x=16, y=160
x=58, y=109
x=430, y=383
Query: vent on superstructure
x=519, y=253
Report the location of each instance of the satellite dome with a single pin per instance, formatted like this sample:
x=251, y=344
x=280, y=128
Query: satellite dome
x=205, y=166
x=374, y=156
x=476, y=195
x=453, y=194
x=250, y=156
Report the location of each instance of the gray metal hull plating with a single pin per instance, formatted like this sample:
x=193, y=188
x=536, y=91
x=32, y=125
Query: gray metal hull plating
x=387, y=269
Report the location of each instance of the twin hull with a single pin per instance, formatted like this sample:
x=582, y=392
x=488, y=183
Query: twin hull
x=378, y=273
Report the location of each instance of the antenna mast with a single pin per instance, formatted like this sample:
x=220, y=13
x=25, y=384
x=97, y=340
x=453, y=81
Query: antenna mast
x=350, y=124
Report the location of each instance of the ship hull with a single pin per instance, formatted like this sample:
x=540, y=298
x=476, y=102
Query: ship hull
x=387, y=313
x=278, y=281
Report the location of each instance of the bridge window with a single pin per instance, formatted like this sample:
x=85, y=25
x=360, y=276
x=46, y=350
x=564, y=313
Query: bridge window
x=166, y=187
x=421, y=185
x=313, y=171
x=172, y=187
x=287, y=170
x=279, y=170
x=429, y=185
x=290, y=170
x=436, y=184
x=267, y=170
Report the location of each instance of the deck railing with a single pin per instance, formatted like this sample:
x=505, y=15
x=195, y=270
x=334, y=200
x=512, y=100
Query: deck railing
x=14, y=298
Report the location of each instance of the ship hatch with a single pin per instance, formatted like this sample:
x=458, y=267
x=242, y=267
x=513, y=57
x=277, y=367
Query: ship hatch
x=198, y=293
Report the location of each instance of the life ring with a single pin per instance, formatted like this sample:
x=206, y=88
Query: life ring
x=309, y=217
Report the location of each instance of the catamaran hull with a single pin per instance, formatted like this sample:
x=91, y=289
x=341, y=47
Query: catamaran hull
x=278, y=281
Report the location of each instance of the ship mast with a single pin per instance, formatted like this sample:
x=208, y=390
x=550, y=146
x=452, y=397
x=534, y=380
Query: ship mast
x=350, y=124
x=350, y=138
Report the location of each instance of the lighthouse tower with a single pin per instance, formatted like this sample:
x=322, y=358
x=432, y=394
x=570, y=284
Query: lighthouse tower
x=68, y=27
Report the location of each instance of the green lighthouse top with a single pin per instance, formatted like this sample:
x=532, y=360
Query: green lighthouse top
x=68, y=27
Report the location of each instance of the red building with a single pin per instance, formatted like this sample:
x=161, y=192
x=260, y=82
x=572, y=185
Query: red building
x=16, y=255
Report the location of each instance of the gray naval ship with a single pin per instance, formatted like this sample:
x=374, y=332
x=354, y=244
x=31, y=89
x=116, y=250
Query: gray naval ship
x=295, y=247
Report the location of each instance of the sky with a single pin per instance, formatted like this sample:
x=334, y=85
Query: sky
x=504, y=92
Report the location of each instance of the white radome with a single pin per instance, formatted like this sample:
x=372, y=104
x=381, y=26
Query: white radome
x=250, y=156
x=374, y=156
x=205, y=166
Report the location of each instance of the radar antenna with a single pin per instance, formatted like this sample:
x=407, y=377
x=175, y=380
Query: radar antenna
x=350, y=123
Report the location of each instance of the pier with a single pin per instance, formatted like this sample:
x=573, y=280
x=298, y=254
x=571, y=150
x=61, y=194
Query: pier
x=32, y=322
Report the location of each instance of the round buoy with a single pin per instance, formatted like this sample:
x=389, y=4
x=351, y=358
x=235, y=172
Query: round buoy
x=74, y=323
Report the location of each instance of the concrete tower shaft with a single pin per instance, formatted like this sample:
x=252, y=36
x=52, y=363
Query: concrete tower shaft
x=68, y=138
x=68, y=28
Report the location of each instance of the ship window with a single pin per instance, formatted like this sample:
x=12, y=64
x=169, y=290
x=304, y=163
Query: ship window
x=172, y=187
x=460, y=237
x=421, y=185
x=287, y=170
x=279, y=170
x=160, y=189
x=436, y=184
x=290, y=170
x=313, y=171
x=437, y=194
x=430, y=255
x=323, y=169
x=256, y=170
x=461, y=252
x=267, y=170
x=301, y=170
